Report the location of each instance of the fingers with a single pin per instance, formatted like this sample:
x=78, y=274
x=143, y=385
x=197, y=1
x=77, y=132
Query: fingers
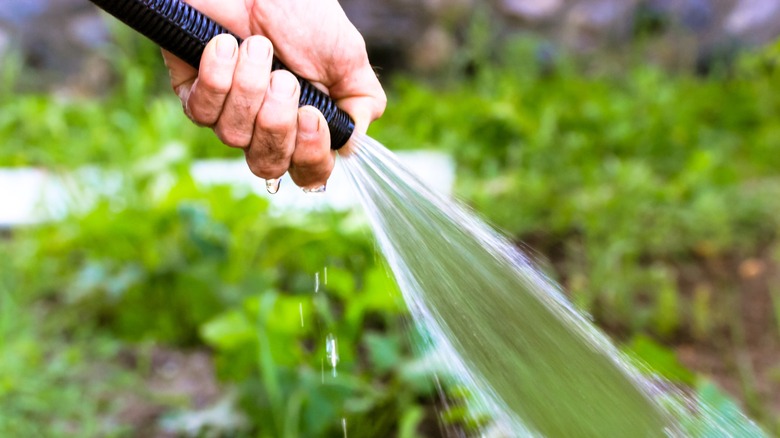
x=209, y=91
x=182, y=75
x=312, y=161
x=248, y=106
x=250, y=81
x=253, y=108
x=273, y=140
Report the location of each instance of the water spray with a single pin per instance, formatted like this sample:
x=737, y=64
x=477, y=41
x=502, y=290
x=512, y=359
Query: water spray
x=505, y=329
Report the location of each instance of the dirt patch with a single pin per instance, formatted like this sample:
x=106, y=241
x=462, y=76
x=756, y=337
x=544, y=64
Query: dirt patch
x=740, y=347
x=172, y=380
x=745, y=361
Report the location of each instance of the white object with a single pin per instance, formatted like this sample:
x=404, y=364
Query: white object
x=32, y=195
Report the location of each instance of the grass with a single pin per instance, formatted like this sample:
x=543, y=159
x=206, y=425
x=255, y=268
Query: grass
x=642, y=191
x=54, y=385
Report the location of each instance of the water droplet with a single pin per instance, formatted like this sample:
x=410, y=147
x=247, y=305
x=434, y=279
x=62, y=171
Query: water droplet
x=325, y=277
x=319, y=189
x=344, y=426
x=332, y=352
x=300, y=309
x=272, y=185
x=316, y=282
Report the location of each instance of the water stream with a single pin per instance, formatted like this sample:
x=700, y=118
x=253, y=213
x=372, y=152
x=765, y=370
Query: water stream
x=531, y=360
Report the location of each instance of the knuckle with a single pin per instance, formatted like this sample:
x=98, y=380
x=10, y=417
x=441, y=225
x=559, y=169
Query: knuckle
x=381, y=104
x=200, y=115
x=232, y=137
x=183, y=92
x=382, y=98
x=356, y=43
x=248, y=85
x=215, y=83
x=275, y=123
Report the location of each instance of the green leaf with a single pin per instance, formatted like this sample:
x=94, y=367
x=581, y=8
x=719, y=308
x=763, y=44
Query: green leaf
x=383, y=351
x=410, y=421
x=290, y=315
x=228, y=331
x=380, y=292
x=340, y=282
x=660, y=359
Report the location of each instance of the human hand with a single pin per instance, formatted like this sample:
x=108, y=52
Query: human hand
x=249, y=107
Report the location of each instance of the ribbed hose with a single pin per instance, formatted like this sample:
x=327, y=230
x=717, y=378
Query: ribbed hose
x=184, y=31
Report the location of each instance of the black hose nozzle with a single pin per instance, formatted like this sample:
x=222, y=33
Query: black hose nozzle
x=184, y=31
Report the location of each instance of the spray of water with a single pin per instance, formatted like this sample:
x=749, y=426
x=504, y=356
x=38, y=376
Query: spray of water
x=332, y=352
x=506, y=331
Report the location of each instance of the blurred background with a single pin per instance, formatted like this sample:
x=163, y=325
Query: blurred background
x=632, y=147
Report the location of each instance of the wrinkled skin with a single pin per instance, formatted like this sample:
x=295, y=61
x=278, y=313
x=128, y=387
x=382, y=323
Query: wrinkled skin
x=249, y=107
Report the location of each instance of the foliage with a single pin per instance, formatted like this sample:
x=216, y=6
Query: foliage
x=132, y=121
x=51, y=386
x=625, y=177
x=195, y=266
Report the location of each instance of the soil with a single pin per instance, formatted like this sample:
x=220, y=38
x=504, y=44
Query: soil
x=745, y=362
x=172, y=379
x=741, y=351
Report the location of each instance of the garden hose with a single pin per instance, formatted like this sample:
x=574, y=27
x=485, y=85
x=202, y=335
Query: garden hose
x=184, y=31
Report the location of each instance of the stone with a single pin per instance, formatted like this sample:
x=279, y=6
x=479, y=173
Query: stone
x=531, y=11
x=409, y=33
x=696, y=15
x=754, y=22
x=57, y=41
x=5, y=42
x=88, y=30
x=591, y=24
x=448, y=11
x=433, y=50
x=61, y=36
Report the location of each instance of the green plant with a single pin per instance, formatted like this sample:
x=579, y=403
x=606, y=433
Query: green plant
x=627, y=182
x=625, y=177
x=195, y=265
x=51, y=385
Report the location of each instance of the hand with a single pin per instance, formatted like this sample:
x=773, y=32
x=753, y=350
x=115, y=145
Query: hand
x=249, y=107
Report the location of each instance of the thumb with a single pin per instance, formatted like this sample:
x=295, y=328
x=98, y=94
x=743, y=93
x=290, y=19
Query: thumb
x=359, y=93
x=362, y=109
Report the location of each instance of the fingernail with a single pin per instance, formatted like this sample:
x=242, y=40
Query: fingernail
x=257, y=50
x=308, y=121
x=283, y=85
x=226, y=47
